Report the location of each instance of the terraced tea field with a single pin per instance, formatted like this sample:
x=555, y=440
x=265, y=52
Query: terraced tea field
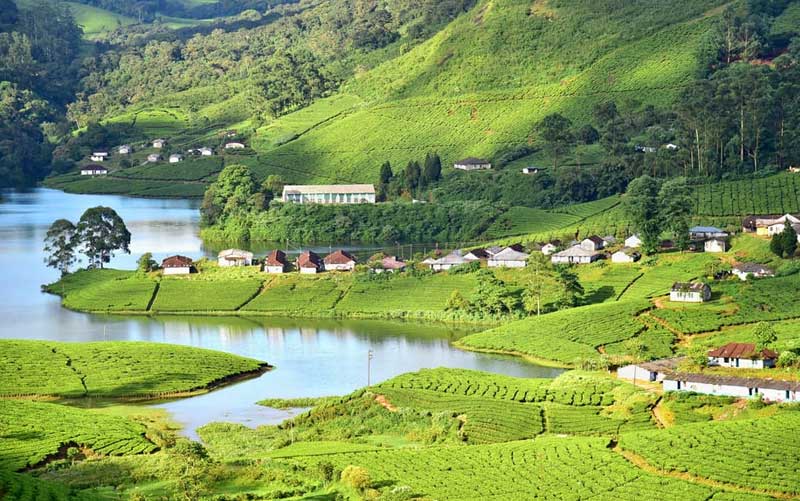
x=197, y=295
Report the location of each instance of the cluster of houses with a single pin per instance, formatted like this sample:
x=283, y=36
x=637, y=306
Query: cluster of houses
x=732, y=355
x=513, y=256
x=277, y=262
x=591, y=249
x=767, y=226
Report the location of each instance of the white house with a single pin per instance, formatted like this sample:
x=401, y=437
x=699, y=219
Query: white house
x=745, y=270
x=159, y=143
x=633, y=242
x=473, y=163
x=775, y=226
x=275, y=262
x=154, y=157
x=329, y=194
x=593, y=243
x=125, y=149
x=769, y=389
x=530, y=170
x=175, y=158
x=742, y=356
x=509, y=258
x=575, y=255
x=549, y=248
x=177, y=265
x=234, y=257
x=648, y=371
x=93, y=170
x=449, y=261
x=340, y=260
x=625, y=256
x=715, y=245
x=704, y=232
x=234, y=146
x=206, y=152
x=672, y=146
x=309, y=263
x=692, y=292
x=478, y=255
x=99, y=156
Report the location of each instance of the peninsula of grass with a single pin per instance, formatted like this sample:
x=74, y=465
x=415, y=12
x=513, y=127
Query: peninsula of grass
x=115, y=370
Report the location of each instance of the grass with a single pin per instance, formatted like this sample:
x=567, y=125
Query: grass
x=198, y=295
x=33, y=431
x=105, y=290
x=776, y=194
x=297, y=294
x=658, y=276
x=113, y=369
x=192, y=169
x=27, y=488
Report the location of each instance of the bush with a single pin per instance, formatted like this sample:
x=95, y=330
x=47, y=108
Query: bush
x=356, y=477
x=787, y=359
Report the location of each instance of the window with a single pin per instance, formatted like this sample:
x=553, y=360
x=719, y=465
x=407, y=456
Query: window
x=750, y=391
x=788, y=395
x=726, y=359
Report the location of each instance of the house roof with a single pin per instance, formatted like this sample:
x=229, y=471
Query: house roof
x=690, y=286
x=494, y=249
x=743, y=382
x=328, y=188
x=509, y=254
x=308, y=259
x=473, y=161
x=705, y=229
x=275, y=258
x=752, y=268
x=741, y=350
x=392, y=263
x=576, y=251
x=628, y=251
x=339, y=257
x=234, y=254
x=634, y=237
x=452, y=258
x=93, y=167
x=176, y=262
x=594, y=238
x=481, y=253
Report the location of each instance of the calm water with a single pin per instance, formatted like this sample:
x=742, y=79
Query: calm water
x=311, y=357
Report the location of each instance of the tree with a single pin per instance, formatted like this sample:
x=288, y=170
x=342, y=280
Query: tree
x=231, y=194
x=272, y=187
x=588, y=134
x=556, y=132
x=413, y=173
x=59, y=245
x=146, y=263
x=571, y=288
x=356, y=477
x=432, y=169
x=765, y=336
x=641, y=204
x=532, y=295
x=456, y=302
x=100, y=232
x=789, y=241
x=675, y=202
x=384, y=180
x=636, y=348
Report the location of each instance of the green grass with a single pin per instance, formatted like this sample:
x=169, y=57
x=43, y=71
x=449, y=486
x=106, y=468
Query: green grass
x=112, y=369
x=192, y=169
x=564, y=336
x=657, y=278
x=297, y=294
x=401, y=294
x=105, y=290
x=524, y=220
x=32, y=431
x=777, y=194
x=589, y=420
x=72, y=183
x=732, y=452
x=198, y=295
x=18, y=487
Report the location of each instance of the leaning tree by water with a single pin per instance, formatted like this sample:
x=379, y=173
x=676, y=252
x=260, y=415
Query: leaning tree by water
x=99, y=233
x=60, y=244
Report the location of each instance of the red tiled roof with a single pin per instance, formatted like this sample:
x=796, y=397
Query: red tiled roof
x=176, y=262
x=339, y=257
x=275, y=258
x=741, y=350
x=308, y=259
x=391, y=263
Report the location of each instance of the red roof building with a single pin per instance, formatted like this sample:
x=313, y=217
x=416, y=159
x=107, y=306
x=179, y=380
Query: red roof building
x=340, y=260
x=742, y=355
x=177, y=265
x=275, y=262
x=309, y=262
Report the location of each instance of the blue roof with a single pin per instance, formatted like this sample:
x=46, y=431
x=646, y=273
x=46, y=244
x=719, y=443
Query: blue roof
x=705, y=229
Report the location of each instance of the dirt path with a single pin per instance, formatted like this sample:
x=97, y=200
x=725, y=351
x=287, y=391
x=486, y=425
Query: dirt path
x=660, y=415
x=384, y=402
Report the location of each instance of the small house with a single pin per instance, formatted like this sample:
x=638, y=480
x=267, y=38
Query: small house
x=715, y=245
x=154, y=157
x=205, y=152
x=177, y=265
x=633, y=242
x=746, y=270
x=175, y=158
x=478, y=255
x=625, y=255
x=774, y=226
x=793, y=169
x=672, y=147
x=340, y=260
x=549, y=248
x=159, y=143
x=275, y=262
x=391, y=264
x=93, y=170
x=593, y=243
x=234, y=146
x=576, y=254
x=329, y=194
x=771, y=390
x=309, y=263
x=449, y=261
x=653, y=371
x=743, y=356
x=704, y=232
x=644, y=149
x=99, y=156
x=691, y=292
x=472, y=163
x=509, y=258
x=530, y=170
x=494, y=249
x=234, y=257
x=125, y=149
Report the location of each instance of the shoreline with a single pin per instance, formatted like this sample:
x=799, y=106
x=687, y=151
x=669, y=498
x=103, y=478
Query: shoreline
x=544, y=362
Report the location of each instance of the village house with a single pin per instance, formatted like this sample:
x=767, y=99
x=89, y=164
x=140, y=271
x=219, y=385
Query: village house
x=478, y=255
x=390, y=264
x=93, y=170
x=576, y=254
x=234, y=257
x=704, y=232
x=449, y=261
x=205, y=151
x=771, y=390
x=154, y=157
x=633, y=242
x=340, y=260
x=336, y=194
x=175, y=158
x=509, y=258
x=766, y=226
x=549, y=248
x=692, y=292
x=742, y=356
x=653, y=371
x=472, y=163
x=793, y=169
x=177, y=265
x=125, y=149
x=275, y=262
x=99, y=156
x=235, y=146
x=715, y=245
x=625, y=255
x=309, y=263
x=530, y=170
x=672, y=147
x=159, y=143
x=755, y=270
x=593, y=243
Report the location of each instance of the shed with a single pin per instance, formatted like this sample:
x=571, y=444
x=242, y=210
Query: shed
x=472, y=163
x=625, y=255
x=175, y=158
x=177, y=265
x=205, y=151
x=275, y=262
x=633, y=242
x=715, y=245
x=549, y=248
x=154, y=157
x=340, y=260
x=125, y=149
x=690, y=292
x=309, y=263
x=235, y=257
x=593, y=243
x=235, y=146
x=745, y=270
x=159, y=143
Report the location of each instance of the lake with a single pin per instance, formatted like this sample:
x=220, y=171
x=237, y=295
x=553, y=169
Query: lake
x=311, y=357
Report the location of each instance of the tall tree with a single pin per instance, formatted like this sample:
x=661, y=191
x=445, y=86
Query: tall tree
x=571, y=288
x=432, y=169
x=556, y=132
x=413, y=173
x=101, y=232
x=59, y=245
x=641, y=204
x=675, y=203
x=765, y=335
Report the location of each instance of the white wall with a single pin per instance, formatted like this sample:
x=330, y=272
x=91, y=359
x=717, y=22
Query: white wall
x=340, y=267
x=506, y=264
x=308, y=271
x=685, y=297
x=177, y=271
x=273, y=269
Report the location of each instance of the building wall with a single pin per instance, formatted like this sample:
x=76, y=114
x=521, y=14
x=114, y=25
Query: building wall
x=330, y=198
x=226, y=263
x=473, y=167
x=177, y=271
x=340, y=267
x=744, y=363
x=686, y=297
x=769, y=394
x=633, y=371
x=308, y=271
x=274, y=269
x=715, y=247
x=506, y=264
x=621, y=258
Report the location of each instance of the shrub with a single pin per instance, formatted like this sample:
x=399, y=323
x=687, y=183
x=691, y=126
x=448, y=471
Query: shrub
x=356, y=477
x=787, y=359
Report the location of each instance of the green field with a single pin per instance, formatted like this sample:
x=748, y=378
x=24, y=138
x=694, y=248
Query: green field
x=113, y=369
x=295, y=294
x=192, y=169
x=187, y=295
x=105, y=290
x=776, y=194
